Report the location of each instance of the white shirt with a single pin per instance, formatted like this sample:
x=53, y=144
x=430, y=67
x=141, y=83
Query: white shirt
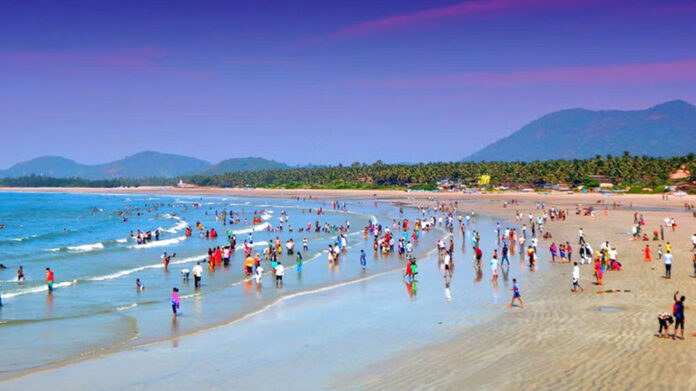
x=280, y=269
x=612, y=254
x=197, y=270
x=494, y=264
x=259, y=272
x=576, y=273
x=668, y=259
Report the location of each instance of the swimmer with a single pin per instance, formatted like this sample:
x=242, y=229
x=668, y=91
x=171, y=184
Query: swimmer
x=139, y=285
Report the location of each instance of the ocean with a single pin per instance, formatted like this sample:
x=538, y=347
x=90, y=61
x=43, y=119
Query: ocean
x=96, y=309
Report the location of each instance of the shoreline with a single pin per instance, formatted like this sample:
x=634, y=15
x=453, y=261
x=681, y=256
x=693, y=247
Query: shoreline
x=533, y=341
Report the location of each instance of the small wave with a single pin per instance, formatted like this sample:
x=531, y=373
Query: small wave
x=81, y=248
x=160, y=243
x=127, y=307
x=126, y=272
x=256, y=244
x=36, y=289
x=181, y=225
x=257, y=227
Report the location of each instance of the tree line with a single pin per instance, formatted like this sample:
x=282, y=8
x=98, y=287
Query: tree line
x=625, y=170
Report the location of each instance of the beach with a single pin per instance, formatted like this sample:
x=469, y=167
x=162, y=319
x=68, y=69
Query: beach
x=370, y=331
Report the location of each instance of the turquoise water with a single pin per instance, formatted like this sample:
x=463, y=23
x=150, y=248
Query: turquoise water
x=95, y=307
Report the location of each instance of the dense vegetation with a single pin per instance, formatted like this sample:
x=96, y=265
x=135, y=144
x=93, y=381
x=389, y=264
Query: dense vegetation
x=635, y=172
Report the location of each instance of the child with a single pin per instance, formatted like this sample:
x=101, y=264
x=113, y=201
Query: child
x=139, y=285
x=257, y=276
x=515, y=294
x=647, y=254
x=363, y=260
x=175, y=301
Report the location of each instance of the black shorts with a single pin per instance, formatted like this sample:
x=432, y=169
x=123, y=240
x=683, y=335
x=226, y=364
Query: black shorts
x=447, y=267
x=678, y=322
x=279, y=278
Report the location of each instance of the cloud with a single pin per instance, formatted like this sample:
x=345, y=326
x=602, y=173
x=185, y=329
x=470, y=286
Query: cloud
x=141, y=60
x=257, y=61
x=405, y=21
x=662, y=72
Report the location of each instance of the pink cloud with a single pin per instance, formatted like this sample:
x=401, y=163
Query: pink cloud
x=676, y=71
x=141, y=60
x=257, y=61
x=451, y=12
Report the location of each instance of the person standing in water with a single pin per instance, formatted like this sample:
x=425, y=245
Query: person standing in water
x=175, y=301
x=299, y=262
x=515, y=294
x=258, y=273
x=363, y=259
x=197, y=275
x=20, y=274
x=279, y=271
x=49, y=279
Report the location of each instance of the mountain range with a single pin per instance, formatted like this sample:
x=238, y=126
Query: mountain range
x=668, y=129
x=146, y=164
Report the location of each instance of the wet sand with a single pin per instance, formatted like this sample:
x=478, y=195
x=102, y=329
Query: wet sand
x=560, y=340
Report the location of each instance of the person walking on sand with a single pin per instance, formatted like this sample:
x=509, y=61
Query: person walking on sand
x=668, y=258
x=678, y=312
x=49, y=279
x=647, y=254
x=515, y=294
x=598, y=270
x=576, y=278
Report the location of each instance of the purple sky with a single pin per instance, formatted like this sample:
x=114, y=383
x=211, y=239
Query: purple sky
x=324, y=81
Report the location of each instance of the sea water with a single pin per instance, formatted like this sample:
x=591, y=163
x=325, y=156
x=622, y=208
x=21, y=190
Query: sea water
x=95, y=307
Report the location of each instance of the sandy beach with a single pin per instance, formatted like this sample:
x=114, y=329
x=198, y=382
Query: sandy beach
x=584, y=341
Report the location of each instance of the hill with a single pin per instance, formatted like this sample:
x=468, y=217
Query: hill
x=146, y=164
x=141, y=165
x=54, y=166
x=150, y=164
x=664, y=130
x=243, y=164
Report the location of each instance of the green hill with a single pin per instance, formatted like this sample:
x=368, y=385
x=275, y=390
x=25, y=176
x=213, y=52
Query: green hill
x=243, y=164
x=664, y=130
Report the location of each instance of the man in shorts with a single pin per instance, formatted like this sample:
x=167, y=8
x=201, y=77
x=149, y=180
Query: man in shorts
x=279, y=271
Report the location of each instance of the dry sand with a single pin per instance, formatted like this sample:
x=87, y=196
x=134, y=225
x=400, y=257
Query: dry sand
x=560, y=340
